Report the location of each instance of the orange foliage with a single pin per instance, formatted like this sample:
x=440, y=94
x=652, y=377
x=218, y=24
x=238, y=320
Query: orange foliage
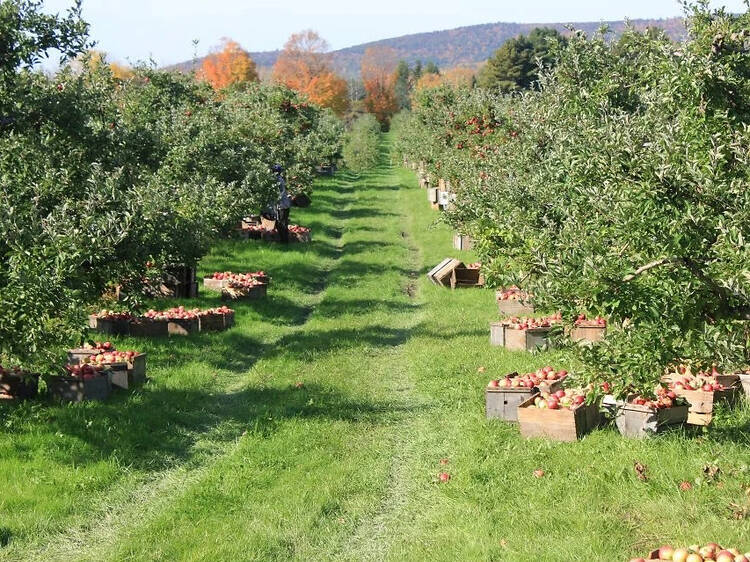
x=305, y=66
x=378, y=75
x=459, y=76
x=429, y=81
x=121, y=72
x=231, y=65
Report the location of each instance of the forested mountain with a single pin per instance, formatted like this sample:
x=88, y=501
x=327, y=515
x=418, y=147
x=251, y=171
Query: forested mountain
x=468, y=46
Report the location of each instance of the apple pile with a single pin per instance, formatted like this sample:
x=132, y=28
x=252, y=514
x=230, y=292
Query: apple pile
x=475, y=265
x=221, y=311
x=570, y=399
x=697, y=553
x=229, y=276
x=531, y=323
x=85, y=371
x=244, y=282
x=702, y=382
x=101, y=347
x=110, y=357
x=113, y=315
x=296, y=229
x=512, y=294
x=665, y=398
x=529, y=380
x=584, y=322
x=179, y=313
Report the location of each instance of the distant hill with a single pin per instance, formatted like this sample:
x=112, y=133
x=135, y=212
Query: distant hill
x=467, y=46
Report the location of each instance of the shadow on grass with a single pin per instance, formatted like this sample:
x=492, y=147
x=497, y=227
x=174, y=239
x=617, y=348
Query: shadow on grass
x=157, y=428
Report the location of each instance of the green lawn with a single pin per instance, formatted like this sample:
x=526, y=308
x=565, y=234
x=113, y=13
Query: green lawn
x=221, y=457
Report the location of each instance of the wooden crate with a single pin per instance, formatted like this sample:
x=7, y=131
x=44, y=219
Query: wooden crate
x=76, y=390
x=214, y=284
x=442, y=272
x=497, y=334
x=637, y=421
x=503, y=403
x=444, y=198
x=111, y=326
x=76, y=355
x=18, y=387
x=462, y=242
x=147, y=328
x=512, y=309
x=558, y=425
x=463, y=277
x=216, y=322
x=183, y=326
x=301, y=237
x=745, y=381
x=588, y=333
x=530, y=339
x=702, y=403
x=250, y=293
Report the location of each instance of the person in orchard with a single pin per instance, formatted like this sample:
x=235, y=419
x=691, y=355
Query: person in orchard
x=280, y=209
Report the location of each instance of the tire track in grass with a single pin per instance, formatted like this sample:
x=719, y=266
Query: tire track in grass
x=369, y=539
x=127, y=503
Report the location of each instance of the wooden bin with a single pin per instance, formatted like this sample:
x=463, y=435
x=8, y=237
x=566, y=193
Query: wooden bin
x=530, y=339
x=148, y=328
x=214, y=284
x=462, y=242
x=216, y=322
x=442, y=273
x=637, y=421
x=250, y=293
x=463, y=277
x=503, y=403
x=558, y=425
x=18, y=387
x=702, y=403
x=71, y=389
x=76, y=355
x=301, y=237
x=588, y=333
x=111, y=326
x=183, y=326
x=745, y=381
x=497, y=334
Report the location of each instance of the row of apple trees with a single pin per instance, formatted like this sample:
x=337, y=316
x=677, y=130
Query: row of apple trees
x=619, y=187
x=100, y=177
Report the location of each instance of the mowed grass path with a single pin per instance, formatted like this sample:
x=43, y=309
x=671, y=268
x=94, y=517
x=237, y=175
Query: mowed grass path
x=221, y=457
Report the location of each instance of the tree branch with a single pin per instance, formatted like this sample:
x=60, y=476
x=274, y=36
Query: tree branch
x=652, y=265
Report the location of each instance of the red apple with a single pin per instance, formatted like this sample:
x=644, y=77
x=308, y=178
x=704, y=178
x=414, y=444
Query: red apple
x=680, y=555
x=694, y=557
x=444, y=476
x=666, y=552
x=725, y=556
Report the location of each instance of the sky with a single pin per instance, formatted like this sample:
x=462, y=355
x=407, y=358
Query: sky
x=164, y=30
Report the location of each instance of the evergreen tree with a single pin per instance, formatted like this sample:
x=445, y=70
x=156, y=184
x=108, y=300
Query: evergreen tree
x=403, y=85
x=515, y=65
x=431, y=68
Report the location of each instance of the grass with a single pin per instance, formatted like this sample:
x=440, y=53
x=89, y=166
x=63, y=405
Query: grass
x=220, y=457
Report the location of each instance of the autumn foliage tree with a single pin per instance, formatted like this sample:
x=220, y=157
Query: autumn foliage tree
x=231, y=65
x=305, y=66
x=379, y=77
